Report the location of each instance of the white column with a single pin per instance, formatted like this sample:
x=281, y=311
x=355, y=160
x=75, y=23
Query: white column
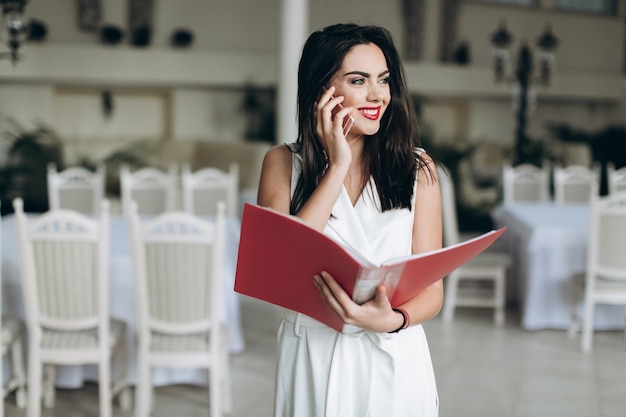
x=294, y=29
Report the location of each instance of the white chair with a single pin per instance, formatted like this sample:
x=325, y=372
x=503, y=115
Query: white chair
x=12, y=336
x=575, y=183
x=616, y=178
x=76, y=188
x=604, y=281
x=482, y=281
x=525, y=183
x=64, y=263
x=203, y=189
x=177, y=259
x=153, y=189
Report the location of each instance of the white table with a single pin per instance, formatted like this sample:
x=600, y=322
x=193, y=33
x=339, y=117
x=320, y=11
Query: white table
x=548, y=242
x=123, y=300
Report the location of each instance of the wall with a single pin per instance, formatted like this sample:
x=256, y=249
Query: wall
x=588, y=43
x=200, y=90
x=199, y=113
x=27, y=104
x=217, y=24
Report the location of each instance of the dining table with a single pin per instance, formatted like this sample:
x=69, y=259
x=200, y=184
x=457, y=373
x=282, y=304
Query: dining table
x=548, y=242
x=122, y=300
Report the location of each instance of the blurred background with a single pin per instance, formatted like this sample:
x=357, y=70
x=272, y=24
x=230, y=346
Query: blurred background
x=156, y=81
x=151, y=83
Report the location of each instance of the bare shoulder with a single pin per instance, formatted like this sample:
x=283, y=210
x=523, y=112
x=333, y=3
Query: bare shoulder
x=427, y=170
x=275, y=181
x=278, y=154
x=277, y=163
x=427, y=224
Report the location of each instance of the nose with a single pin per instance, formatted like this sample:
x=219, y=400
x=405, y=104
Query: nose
x=376, y=93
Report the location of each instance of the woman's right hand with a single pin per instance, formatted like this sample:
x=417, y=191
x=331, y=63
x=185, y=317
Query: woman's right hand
x=329, y=131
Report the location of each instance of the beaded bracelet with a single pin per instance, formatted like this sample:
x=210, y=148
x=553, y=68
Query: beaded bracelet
x=406, y=320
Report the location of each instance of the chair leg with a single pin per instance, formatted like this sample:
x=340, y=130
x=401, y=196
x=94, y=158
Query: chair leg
x=122, y=384
x=125, y=399
x=104, y=386
x=450, y=296
x=143, y=387
x=49, y=376
x=17, y=363
x=574, y=319
x=35, y=371
x=587, y=325
x=215, y=393
x=4, y=392
x=625, y=323
x=227, y=382
x=500, y=297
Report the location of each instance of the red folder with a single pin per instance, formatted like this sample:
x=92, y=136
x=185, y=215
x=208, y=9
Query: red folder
x=279, y=254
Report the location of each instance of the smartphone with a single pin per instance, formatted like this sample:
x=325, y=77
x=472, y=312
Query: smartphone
x=348, y=121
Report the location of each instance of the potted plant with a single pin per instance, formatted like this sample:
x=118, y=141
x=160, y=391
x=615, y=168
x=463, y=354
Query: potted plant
x=606, y=145
x=26, y=154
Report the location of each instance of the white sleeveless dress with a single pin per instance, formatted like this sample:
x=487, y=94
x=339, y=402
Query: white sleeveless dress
x=357, y=373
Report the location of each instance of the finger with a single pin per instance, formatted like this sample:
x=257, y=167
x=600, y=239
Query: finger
x=326, y=96
x=340, y=119
x=326, y=106
x=380, y=296
x=323, y=113
x=329, y=296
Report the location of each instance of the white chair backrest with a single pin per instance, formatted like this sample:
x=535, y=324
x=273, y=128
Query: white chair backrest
x=203, y=189
x=575, y=183
x=76, y=188
x=607, y=238
x=616, y=178
x=153, y=189
x=448, y=206
x=178, y=261
x=64, y=262
x=525, y=183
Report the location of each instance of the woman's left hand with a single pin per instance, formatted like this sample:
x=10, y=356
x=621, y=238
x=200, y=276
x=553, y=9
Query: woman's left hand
x=375, y=315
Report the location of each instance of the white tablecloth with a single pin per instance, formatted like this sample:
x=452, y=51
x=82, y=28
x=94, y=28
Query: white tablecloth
x=548, y=242
x=123, y=300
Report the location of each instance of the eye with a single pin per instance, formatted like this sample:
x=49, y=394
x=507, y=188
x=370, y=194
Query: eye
x=384, y=80
x=357, y=81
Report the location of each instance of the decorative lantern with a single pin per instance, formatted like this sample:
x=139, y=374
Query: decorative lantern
x=546, y=45
x=12, y=11
x=500, y=40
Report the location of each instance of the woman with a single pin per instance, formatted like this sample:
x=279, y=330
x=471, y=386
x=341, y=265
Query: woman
x=369, y=188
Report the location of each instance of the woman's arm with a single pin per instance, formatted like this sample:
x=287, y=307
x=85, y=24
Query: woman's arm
x=427, y=236
x=274, y=186
x=275, y=181
x=377, y=314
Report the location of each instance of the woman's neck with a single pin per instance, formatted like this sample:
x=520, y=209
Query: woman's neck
x=354, y=181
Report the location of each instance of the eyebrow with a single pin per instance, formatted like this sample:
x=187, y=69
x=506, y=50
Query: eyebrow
x=365, y=74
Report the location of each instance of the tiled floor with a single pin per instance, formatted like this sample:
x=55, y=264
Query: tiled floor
x=482, y=371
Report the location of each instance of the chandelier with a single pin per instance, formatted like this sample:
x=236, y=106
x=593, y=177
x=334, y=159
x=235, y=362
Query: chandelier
x=12, y=11
x=524, y=78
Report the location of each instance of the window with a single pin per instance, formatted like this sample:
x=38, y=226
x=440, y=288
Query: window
x=511, y=2
x=593, y=6
x=585, y=6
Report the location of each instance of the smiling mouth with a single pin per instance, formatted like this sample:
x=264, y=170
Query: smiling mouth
x=372, y=113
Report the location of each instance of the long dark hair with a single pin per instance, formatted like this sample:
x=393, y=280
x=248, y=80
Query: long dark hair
x=389, y=155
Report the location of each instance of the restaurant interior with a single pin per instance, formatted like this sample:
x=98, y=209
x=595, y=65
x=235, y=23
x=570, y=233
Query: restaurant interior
x=139, y=104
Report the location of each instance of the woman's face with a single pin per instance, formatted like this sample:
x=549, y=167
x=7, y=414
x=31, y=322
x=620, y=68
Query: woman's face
x=363, y=81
